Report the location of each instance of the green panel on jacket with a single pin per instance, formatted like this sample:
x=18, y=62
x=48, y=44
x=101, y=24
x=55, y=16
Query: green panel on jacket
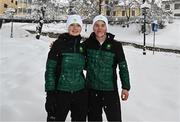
x=71, y=78
x=100, y=70
x=50, y=75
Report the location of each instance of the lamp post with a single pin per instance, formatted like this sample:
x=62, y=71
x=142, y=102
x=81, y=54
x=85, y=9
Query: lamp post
x=12, y=16
x=154, y=29
x=144, y=7
x=11, y=12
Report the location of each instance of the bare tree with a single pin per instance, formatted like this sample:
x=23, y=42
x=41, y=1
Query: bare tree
x=86, y=8
x=157, y=13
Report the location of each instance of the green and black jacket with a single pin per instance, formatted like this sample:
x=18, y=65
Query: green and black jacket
x=102, y=61
x=65, y=64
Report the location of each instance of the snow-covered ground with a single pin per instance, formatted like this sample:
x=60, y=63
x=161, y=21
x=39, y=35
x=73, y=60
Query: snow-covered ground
x=155, y=79
x=168, y=37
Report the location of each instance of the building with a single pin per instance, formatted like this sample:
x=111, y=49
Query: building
x=176, y=11
x=24, y=7
x=5, y=4
x=120, y=10
x=172, y=6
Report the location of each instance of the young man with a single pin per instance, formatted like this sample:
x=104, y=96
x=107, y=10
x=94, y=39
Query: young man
x=103, y=56
x=64, y=79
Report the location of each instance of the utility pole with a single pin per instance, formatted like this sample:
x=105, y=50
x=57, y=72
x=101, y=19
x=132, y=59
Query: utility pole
x=144, y=7
x=12, y=11
x=12, y=17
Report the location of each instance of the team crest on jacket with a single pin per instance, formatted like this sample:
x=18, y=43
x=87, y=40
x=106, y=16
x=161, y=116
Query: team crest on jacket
x=81, y=49
x=108, y=47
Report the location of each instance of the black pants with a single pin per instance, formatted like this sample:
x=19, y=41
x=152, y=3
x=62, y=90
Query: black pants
x=75, y=102
x=107, y=100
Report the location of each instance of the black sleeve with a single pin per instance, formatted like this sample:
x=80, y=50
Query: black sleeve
x=51, y=64
x=123, y=67
x=119, y=53
x=53, y=53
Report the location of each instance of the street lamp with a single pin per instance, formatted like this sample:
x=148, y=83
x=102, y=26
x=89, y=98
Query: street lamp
x=144, y=7
x=11, y=12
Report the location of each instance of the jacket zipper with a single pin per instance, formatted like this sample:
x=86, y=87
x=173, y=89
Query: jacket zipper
x=100, y=47
x=75, y=45
x=74, y=52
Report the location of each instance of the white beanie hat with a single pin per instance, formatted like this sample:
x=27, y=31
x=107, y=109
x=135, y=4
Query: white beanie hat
x=74, y=19
x=102, y=18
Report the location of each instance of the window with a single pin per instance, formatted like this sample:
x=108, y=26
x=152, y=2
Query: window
x=114, y=13
x=20, y=10
x=106, y=2
x=116, y=2
x=108, y=13
x=12, y=1
x=5, y=5
x=16, y=2
x=123, y=13
x=177, y=6
x=133, y=13
x=30, y=1
x=24, y=10
x=29, y=11
x=167, y=7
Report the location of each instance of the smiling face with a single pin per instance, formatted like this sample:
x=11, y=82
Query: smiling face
x=100, y=28
x=74, y=29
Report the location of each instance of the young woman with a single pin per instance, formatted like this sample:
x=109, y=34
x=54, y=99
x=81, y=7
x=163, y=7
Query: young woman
x=103, y=56
x=64, y=79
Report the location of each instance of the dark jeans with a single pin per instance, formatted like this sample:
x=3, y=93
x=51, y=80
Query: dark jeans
x=76, y=102
x=107, y=100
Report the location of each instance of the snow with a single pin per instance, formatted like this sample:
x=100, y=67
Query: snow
x=155, y=93
x=164, y=38
x=22, y=66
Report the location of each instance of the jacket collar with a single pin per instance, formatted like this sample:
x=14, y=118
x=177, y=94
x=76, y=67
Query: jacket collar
x=67, y=36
